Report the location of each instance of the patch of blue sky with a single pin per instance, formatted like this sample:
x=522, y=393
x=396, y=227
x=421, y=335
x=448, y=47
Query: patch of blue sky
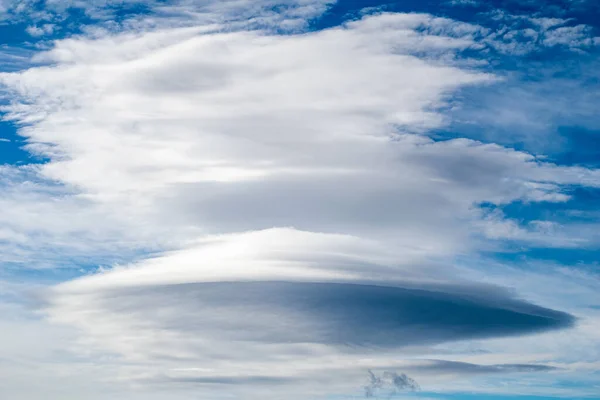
x=11, y=147
x=42, y=23
x=57, y=11
x=480, y=396
x=582, y=146
x=344, y=10
x=545, y=107
x=14, y=33
x=59, y=265
x=580, y=211
x=582, y=207
x=474, y=11
x=47, y=276
x=583, y=259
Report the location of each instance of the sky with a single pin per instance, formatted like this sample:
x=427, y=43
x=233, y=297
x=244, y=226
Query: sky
x=299, y=199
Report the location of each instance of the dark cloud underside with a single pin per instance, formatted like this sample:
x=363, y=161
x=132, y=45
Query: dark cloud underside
x=339, y=314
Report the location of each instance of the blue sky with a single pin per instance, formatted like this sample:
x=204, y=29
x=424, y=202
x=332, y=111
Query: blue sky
x=311, y=199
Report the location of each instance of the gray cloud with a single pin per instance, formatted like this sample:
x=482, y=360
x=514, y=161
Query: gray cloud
x=454, y=367
x=223, y=380
x=389, y=383
x=332, y=314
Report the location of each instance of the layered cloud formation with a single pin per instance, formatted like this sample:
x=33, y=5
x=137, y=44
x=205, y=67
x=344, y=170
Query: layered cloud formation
x=257, y=208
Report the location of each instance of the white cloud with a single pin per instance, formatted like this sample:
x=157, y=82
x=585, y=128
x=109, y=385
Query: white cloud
x=45, y=29
x=548, y=23
x=464, y=3
x=193, y=130
x=172, y=328
x=522, y=34
x=253, y=157
x=570, y=36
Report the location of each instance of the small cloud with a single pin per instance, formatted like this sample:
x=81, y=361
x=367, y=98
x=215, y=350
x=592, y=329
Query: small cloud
x=5, y=140
x=464, y=3
x=570, y=36
x=389, y=384
x=38, y=31
x=548, y=23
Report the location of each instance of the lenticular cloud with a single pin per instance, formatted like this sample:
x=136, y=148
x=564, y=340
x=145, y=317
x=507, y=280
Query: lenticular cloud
x=303, y=224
